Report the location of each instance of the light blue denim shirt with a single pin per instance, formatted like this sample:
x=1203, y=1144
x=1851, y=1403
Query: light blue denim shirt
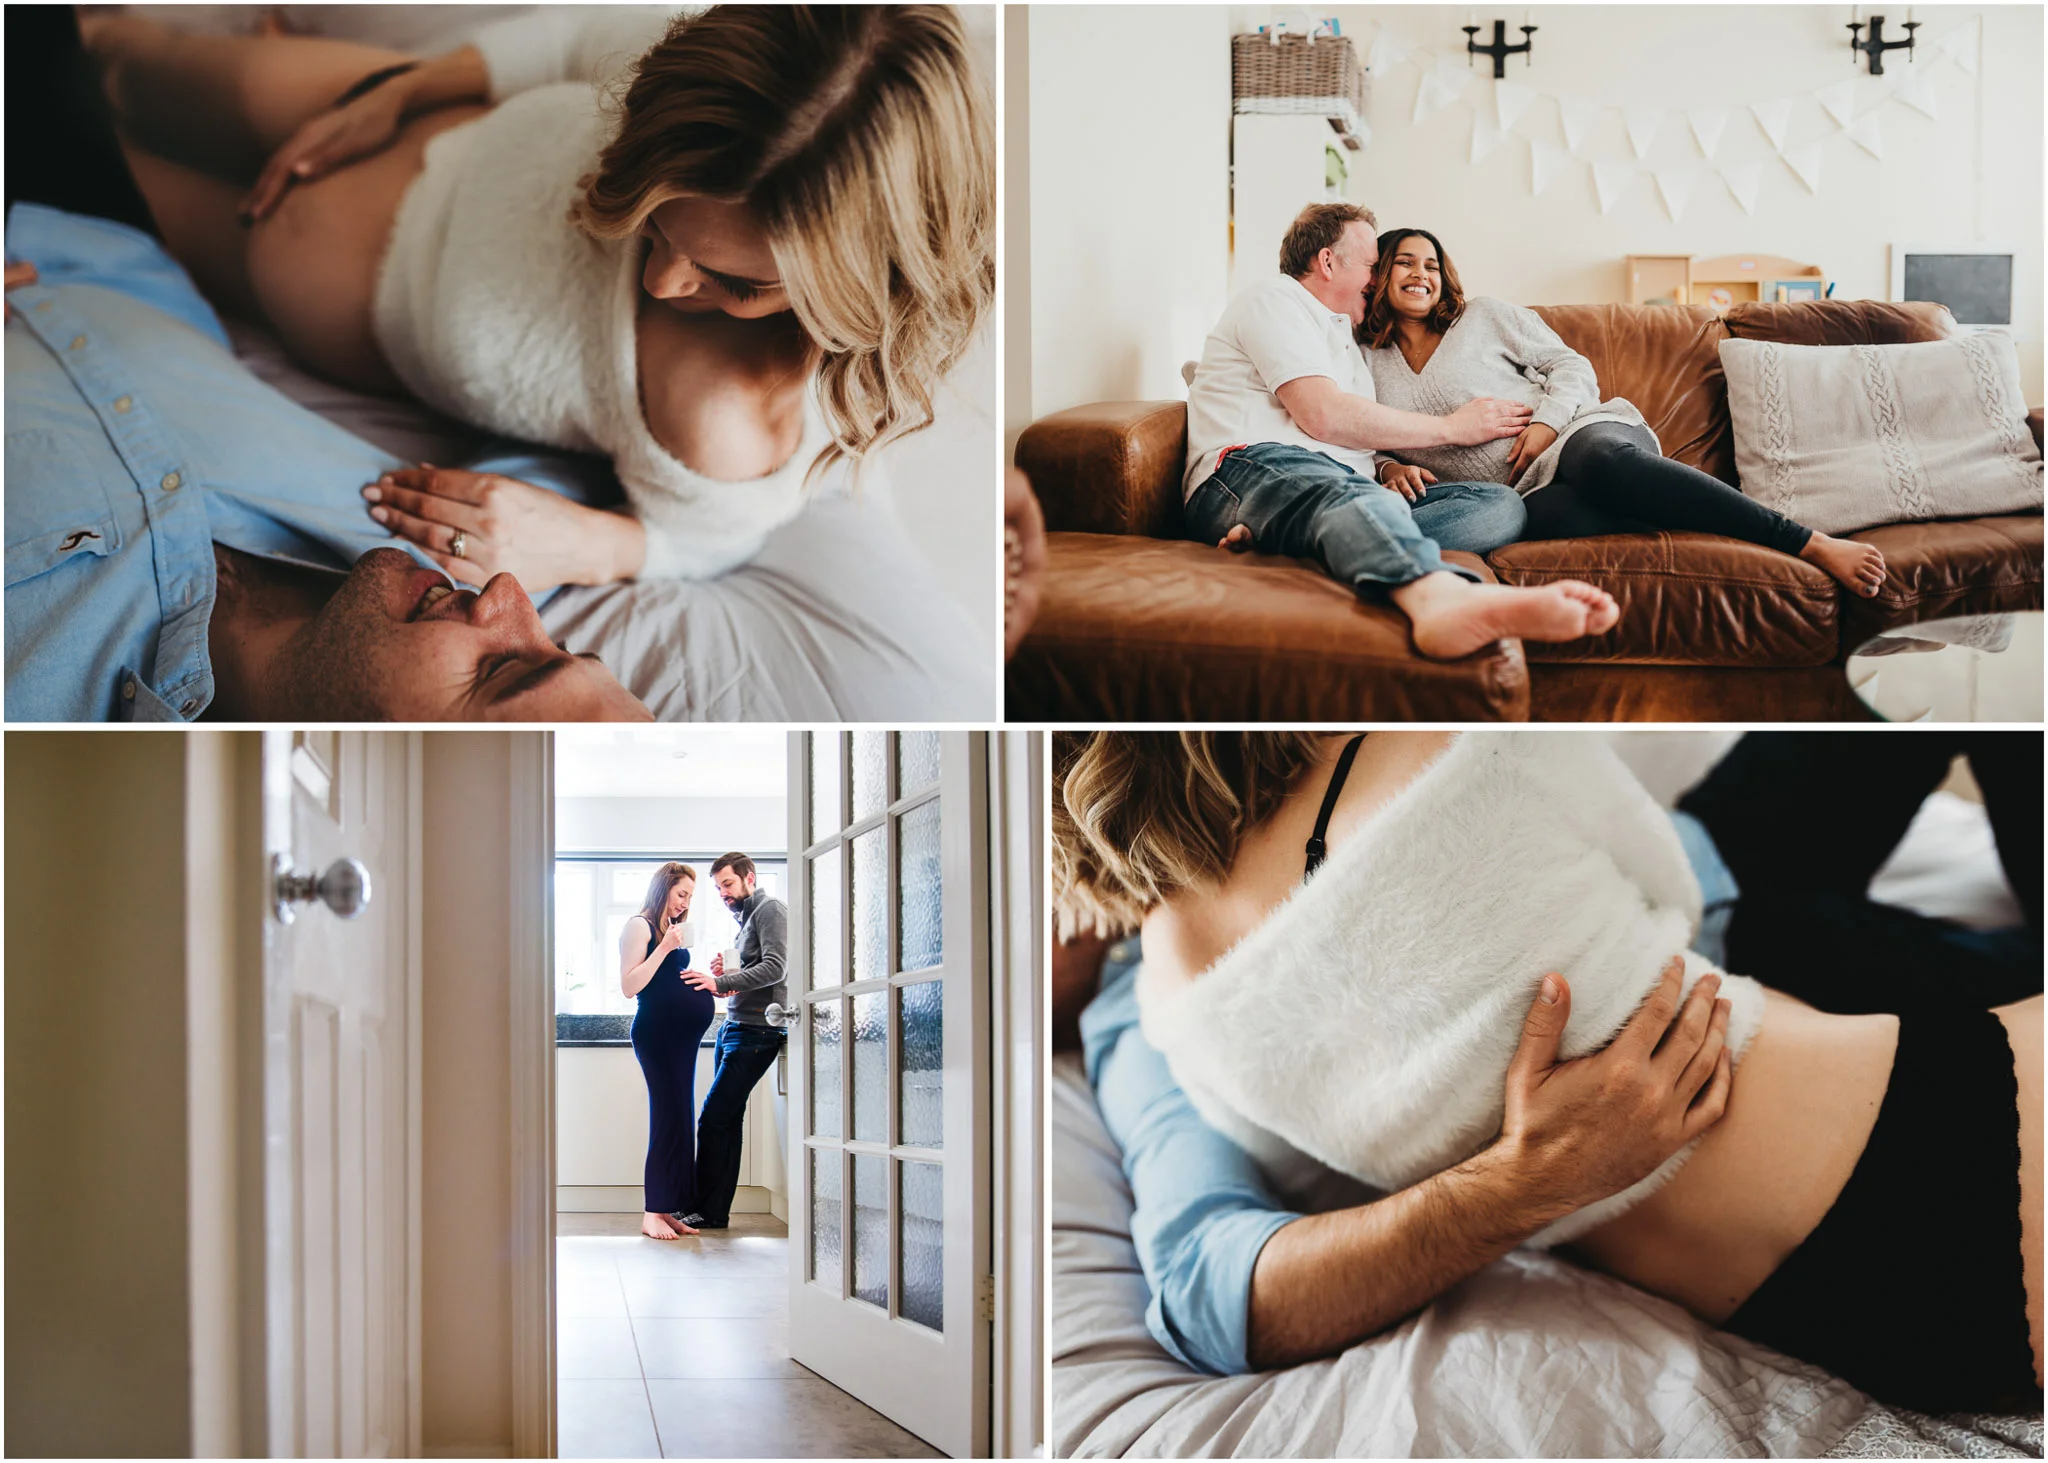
x=135, y=442
x=1203, y=1209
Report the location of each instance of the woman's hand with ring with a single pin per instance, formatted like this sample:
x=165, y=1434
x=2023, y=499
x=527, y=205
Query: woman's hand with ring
x=506, y=527
x=1532, y=444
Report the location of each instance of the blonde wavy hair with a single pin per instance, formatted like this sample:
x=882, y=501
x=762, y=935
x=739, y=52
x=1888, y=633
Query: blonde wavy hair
x=1139, y=816
x=860, y=138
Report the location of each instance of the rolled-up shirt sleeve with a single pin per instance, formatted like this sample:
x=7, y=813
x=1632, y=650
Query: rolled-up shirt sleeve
x=1203, y=1209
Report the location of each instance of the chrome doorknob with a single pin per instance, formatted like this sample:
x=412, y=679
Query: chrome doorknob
x=786, y=1017
x=344, y=888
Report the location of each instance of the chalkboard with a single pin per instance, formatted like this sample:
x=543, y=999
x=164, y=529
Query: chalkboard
x=1977, y=288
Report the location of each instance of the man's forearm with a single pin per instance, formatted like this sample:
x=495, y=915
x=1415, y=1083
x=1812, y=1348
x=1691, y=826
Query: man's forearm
x=458, y=76
x=1328, y=1280
x=1330, y=414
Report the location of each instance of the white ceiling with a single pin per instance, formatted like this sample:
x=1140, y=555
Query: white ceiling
x=670, y=762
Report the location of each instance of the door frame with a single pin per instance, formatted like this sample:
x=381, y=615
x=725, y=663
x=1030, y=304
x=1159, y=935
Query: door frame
x=531, y=939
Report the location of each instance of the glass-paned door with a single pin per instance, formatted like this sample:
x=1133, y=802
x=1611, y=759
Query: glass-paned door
x=890, y=1068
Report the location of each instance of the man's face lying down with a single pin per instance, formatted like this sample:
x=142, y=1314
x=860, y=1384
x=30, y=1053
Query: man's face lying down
x=396, y=643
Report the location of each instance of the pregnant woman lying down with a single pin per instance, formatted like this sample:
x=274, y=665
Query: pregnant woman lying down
x=1597, y=463
x=754, y=262
x=1870, y=1202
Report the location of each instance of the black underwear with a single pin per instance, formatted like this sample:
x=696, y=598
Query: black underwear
x=1911, y=1286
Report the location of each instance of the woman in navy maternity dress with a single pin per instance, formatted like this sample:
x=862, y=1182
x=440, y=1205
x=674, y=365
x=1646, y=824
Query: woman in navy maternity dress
x=668, y=1024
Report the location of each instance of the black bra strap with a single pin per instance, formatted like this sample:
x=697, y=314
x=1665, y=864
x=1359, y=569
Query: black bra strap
x=1316, y=847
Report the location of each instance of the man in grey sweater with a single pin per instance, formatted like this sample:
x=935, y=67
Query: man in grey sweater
x=747, y=1044
x=1282, y=426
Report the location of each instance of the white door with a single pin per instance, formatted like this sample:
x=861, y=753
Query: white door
x=889, y=1067
x=336, y=1028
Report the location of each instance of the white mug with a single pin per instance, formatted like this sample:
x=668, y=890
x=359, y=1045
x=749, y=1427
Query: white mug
x=687, y=932
x=731, y=959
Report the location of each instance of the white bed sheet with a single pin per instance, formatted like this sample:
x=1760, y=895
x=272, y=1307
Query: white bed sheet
x=1532, y=1357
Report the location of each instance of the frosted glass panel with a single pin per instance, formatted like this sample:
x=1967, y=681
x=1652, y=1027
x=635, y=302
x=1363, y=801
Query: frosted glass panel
x=917, y=761
x=924, y=1251
x=871, y=1229
x=828, y=802
x=921, y=919
x=828, y=928
x=870, y=773
x=871, y=1067
x=923, y=1056
x=825, y=1216
x=828, y=1060
x=870, y=905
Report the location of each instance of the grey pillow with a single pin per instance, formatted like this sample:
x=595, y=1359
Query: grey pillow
x=1842, y=437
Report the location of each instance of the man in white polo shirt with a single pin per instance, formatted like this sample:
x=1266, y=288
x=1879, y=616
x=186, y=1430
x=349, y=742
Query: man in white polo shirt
x=1282, y=423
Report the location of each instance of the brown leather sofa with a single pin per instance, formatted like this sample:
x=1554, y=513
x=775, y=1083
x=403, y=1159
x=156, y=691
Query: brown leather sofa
x=1138, y=624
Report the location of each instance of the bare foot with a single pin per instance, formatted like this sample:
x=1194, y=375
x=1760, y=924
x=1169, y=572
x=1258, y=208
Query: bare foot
x=1450, y=616
x=1859, y=568
x=675, y=1222
x=1238, y=540
x=658, y=1226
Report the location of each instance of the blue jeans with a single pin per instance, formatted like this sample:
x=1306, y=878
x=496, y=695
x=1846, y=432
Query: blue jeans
x=1300, y=503
x=742, y=1055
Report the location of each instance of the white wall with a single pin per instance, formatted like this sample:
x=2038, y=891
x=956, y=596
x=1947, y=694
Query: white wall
x=671, y=826
x=1971, y=175
x=1129, y=113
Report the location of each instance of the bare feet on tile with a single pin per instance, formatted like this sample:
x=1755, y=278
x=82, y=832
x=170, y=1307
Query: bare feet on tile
x=1859, y=568
x=658, y=1226
x=1450, y=616
x=676, y=1223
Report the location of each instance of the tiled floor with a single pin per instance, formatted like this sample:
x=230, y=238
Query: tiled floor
x=680, y=1349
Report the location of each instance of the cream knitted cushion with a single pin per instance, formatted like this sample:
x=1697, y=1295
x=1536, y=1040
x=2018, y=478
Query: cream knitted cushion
x=1842, y=437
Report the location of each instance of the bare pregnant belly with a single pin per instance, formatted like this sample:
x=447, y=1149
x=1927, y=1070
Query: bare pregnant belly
x=1804, y=1100
x=313, y=263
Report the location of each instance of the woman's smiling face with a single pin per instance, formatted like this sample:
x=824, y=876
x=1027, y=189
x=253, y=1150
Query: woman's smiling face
x=1414, y=277
x=704, y=255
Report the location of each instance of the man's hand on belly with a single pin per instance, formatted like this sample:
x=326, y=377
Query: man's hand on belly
x=1576, y=1132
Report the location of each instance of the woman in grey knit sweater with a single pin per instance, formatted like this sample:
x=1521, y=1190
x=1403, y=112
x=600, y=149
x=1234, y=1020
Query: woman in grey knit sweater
x=1432, y=349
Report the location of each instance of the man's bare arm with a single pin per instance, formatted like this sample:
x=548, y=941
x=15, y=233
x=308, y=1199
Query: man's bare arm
x=1573, y=1133
x=1328, y=413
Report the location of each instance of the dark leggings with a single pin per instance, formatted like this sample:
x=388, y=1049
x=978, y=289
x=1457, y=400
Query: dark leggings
x=1804, y=821
x=1611, y=478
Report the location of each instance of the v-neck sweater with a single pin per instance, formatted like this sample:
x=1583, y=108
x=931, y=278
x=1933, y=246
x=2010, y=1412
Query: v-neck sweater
x=1506, y=351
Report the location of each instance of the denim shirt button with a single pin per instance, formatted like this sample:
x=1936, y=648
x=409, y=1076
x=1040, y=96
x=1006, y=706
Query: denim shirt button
x=189, y=706
x=78, y=342
x=128, y=690
x=1120, y=952
x=44, y=304
x=122, y=403
x=172, y=482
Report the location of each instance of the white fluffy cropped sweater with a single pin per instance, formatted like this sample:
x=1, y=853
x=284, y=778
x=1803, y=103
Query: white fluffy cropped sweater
x=495, y=308
x=1369, y=1022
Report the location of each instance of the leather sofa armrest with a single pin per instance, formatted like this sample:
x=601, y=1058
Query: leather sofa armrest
x=1109, y=467
x=2034, y=424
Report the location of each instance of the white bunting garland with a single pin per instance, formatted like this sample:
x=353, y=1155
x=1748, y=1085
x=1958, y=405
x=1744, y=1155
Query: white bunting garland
x=1838, y=101
x=1743, y=180
x=1773, y=117
x=1707, y=125
x=1865, y=134
x=1610, y=181
x=1674, y=186
x=1577, y=118
x=1642, y=123
x=1447, y=80
x=1509, y=102
x=1805, y=161
x=1916, y=90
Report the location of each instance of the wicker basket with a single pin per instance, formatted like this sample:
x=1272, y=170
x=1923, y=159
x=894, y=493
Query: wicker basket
x=1299, y=77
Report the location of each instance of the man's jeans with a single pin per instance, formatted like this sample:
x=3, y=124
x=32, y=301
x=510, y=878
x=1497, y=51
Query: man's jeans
x=743, y=1054
x=1308, y=506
